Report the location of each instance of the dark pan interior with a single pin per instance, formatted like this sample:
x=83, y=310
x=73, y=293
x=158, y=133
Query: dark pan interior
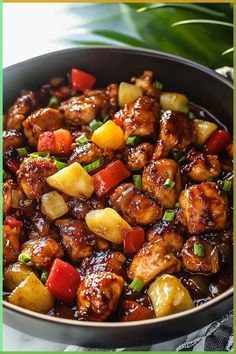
x=203, y=87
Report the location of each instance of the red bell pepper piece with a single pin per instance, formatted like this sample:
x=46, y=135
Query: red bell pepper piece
x=57, y=142
x=118, y=120
x=13, y=222
x=81, y=80
x=63, y=281
x=109, y=177
x=133, y=240
x=217, y=142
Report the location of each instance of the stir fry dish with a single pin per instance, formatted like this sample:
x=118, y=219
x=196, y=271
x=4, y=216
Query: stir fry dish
x=117, y=202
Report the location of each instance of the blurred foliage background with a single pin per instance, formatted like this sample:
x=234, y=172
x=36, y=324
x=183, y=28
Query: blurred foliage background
x=200, y=32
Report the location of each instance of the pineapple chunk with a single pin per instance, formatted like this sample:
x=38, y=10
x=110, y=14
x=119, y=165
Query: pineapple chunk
x=128, y=93
x=174, y=101
x=168, y=295
x=72, y=180
x=53, y=205
x=203, y=131
x=109, y=136
x=108, y=224
x=14, y=274
x=32, y=295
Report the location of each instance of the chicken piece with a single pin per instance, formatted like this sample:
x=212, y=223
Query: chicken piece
x=156, y=175
x=24, y=105
x=44, y=119
x=93, y=104
x=176, y=133
x=154, y=258
x=12, y=139
x=103, y=261
x=135, y=207
x=85, y=154
x=138, y=156
x=98, y=295
x=207, y=264
x=7, y=189
x=201, y=166
x=11, y=244
x=203, y=207
x=145, y=82
x=133, y=311
x=42, y=252
x=172, y=237
x=140, y=118
x=77, y=239
x=80, y=207
x=38, y=226
x=32, y=176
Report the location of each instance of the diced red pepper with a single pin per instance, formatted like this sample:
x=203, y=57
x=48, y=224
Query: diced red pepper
x=57, y=142
x=133, y=240
x=63, y=281
x=81, y=80
x=217, y=142
x=109, y=177
x=118, y=120
x=13, y=222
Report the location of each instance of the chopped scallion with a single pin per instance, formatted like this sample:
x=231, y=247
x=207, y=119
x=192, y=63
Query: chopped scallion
x=158, y=85
x=60, y=165
x=138, y=181
x=183, y=109
x=82, y=140
x=191, y=115
x=24, y=258
x=94, y=165
x=53, y=102
x=44, y=276
x=210, y=179
x=136, y=285
x=198, y=249
x=182, y=159
x=94, y=124
x=177, y=205
x=105, y=119
x=169, y=215
x=22, y=151
x=40, y=154
x=227, y=185
x=169, y=183
x=8, y=243
x=132, y=140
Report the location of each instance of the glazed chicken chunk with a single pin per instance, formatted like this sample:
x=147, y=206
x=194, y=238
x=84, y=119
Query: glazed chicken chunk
x=44, y=119
x=42, y=252
x=202, y=167
x=80, y=207
x=11, y=244
x=207, y=261
x=77, y=239
x=103, y=261
x=140, y=118
x=204, y=207
x=176, y=132
x=155, y=179
x=85, y=154
x=154, y=258
x=98, y=295
x=12, y=139
x=172, y=237
x=145, y=82
x=136, y=207
x=138, y=156
x=32, y=176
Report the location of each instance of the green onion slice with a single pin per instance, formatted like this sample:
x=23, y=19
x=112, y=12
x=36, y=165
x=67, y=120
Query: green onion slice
x=82, y=140
x=169, y=183
x=44, y=276
x=198, y=249
x=105, y=119
x=136, y=285
x=138, y=181
x=191, y=115
x=24, y=258
x=132, y=140
x=53, y=102
x=95, y=124
x=22, y=151
x=4, y=174
x=227, y=185
x=60, y=165
x=94, y=165
x=8, y=243
x=169, y=215
x=40, y=154
x=183, y=109
x=158, y=85
x=177, y=205
x=178, y=156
